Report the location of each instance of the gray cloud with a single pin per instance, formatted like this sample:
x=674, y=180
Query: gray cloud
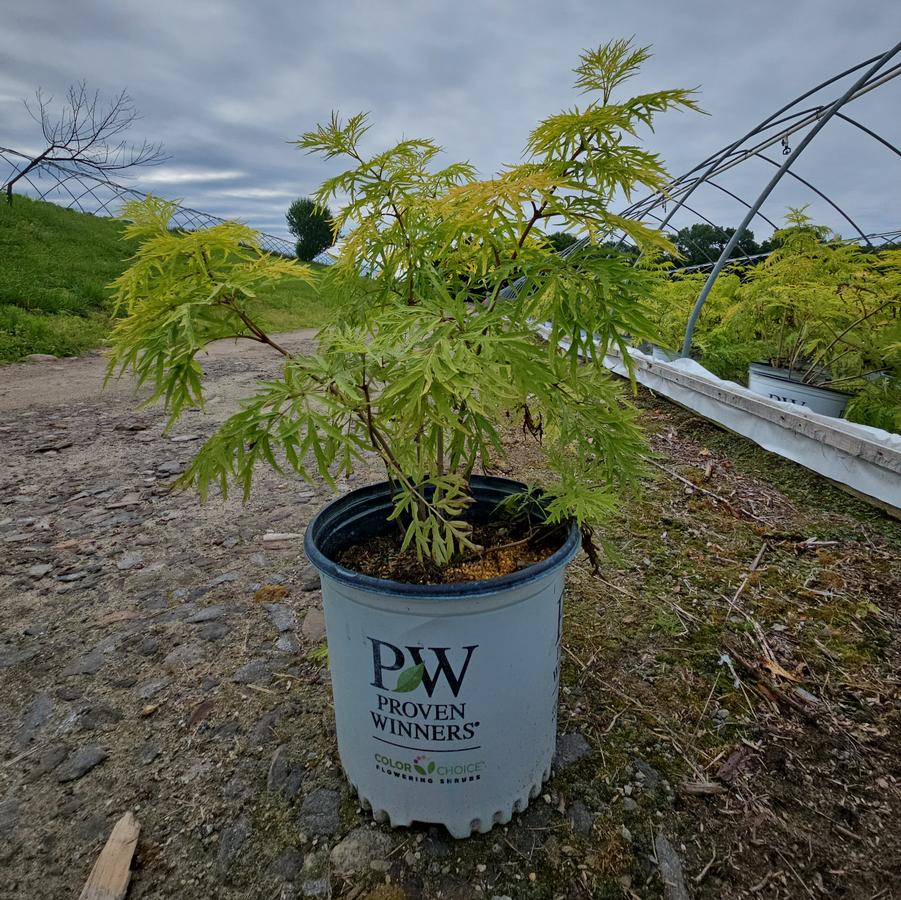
x=227, y=86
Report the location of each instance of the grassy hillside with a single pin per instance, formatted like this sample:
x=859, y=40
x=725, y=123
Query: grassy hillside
x=55, y=268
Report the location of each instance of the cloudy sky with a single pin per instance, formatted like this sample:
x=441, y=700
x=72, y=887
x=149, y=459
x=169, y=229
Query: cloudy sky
x=228, y=85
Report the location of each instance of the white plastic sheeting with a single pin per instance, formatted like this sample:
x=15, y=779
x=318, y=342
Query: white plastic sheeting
x=866, y=459
x=863, y=458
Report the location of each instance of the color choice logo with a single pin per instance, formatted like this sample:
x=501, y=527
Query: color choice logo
x=423, y=770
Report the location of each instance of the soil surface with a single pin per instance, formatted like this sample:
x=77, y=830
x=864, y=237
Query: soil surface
x=506, y=547
x=729, y=712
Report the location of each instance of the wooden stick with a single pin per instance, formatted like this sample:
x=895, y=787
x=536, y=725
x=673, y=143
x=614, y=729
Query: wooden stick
x=111, y=873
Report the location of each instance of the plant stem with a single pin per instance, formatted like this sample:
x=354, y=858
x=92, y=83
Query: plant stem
x=258, y=333
x=848, y=378
x=839, y=336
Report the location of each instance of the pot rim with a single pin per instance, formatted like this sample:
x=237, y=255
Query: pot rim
x=772, y=373
x=369, y=497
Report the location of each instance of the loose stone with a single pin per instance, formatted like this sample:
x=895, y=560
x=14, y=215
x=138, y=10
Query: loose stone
x=579, y=818
x=287, y=643
x=35, y=718
x=95, y=716
x=359, y=850
x=285, y=774
x=148, y=753
x=171, y=467
x=231, y=842
x=47, y=761
x=287, y=864
x=185, y=656
x=225, y=578
x=151, y=688
x=313, y=627
x=254, y=672
x=212, y=631
x=319, y=814
x=647, y=773
x=670, y=870
x=282, y=616
x=72, y=576
x=131, y=499
x=207, y=614
x=570, y=749
x=274, y=540
x=80, y=763
x=88, y=664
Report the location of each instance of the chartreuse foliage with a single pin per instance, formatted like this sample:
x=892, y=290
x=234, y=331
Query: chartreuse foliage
x=828, y=310
x=183, y=290
x=433, y=352
x=722, y=352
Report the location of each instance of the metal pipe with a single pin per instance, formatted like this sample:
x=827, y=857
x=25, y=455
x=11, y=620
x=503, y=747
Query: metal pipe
x=730, y=157
x=819, y=193
x=870, y=132
x=727, y=250
x=719, y=187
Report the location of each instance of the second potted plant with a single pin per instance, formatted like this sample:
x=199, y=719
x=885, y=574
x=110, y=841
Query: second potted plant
x=824, y=312
x=442, y=588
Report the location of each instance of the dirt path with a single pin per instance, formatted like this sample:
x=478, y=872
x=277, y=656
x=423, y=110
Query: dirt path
x=80, y=379
x=159, y=655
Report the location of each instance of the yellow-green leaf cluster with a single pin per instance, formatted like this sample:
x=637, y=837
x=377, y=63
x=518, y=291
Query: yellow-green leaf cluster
x=445, y=275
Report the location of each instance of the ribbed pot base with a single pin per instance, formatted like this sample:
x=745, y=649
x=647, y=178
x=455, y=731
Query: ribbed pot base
x=465, y=825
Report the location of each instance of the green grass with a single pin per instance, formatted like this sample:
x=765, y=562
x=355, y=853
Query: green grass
x=291, y=304
x=56, y=268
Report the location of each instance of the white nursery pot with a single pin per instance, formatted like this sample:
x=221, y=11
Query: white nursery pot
x=775, y=384
x=445, y=695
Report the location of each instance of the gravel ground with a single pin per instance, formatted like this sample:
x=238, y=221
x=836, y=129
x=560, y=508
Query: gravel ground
x=160, y=655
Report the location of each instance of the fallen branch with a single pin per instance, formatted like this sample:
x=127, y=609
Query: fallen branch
x=770, y=690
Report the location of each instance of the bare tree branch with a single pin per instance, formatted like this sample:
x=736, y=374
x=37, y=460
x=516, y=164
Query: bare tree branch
x=86, y=134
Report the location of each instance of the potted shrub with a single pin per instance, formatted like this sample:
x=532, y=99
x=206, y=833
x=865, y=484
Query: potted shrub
x=824, y=313
x=442, y=588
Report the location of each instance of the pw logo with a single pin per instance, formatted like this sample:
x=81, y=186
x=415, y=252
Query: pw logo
x=409, y=662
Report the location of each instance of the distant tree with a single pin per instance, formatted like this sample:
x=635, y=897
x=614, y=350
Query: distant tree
x=623, y=248
x=85, y=134
x=312, y=225
x=702, y=243
x=560, y=240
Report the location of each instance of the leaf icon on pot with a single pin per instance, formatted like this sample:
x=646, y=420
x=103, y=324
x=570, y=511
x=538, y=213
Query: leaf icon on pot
x=409, y=679
x=419, y=769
